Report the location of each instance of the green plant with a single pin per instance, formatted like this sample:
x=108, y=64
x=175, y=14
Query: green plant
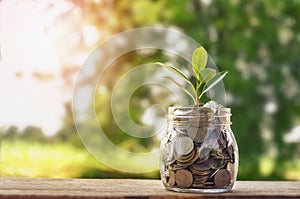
x=205, y=78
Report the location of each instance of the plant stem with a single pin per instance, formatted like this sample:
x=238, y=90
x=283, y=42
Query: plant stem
x=200, y=96
x=196, y=93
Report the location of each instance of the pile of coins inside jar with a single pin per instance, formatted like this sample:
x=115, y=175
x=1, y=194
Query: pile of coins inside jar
x=198, y=151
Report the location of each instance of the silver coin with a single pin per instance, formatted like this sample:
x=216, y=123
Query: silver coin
x=168, y=152
x=185, y=158
x=197, y=134
x=183, y=145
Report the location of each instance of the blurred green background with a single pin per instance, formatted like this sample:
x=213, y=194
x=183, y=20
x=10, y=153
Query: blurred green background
x=43, y=45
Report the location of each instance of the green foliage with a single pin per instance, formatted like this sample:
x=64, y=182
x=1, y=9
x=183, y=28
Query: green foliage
x=199, y=61
x=203, y=75
x=257, y=41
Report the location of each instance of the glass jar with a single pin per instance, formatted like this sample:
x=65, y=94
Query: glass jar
x=199, y=152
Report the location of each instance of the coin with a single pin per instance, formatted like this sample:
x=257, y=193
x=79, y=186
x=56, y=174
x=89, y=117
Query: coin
x=171, y=180
x=196, y=185
x=217, y=153
x=197, y=154
x=231, y=154
x=215, y=163
x=222, y=178
x=199, y=172
x=213, y=174
x=185, y=158
x=209, y=183
x=168, y=152
x=201, y=111
x=222, y=140
x=184, y=165
x=200, y=178
x=204, y=154
x=183, y=178
x=201, y=166
x=230, y=167
x=211, y=139
x=204, y=172
x=180, y=131
x=164, y=176
x=226, y=158
x=211, y=105
x=176, y=166
x=180, y=111
x=224, y=111
x=183, y=145
x=197, y=133
x=198, y=122
x=201, y=116
x=190, y=158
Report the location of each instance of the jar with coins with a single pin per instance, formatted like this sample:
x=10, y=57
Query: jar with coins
x=199, y=152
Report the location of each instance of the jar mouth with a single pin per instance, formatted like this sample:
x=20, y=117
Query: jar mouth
x=186, y=121
x=188, y=114
x=197, y=111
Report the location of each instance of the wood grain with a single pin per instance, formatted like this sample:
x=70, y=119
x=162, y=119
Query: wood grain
x=129, y=188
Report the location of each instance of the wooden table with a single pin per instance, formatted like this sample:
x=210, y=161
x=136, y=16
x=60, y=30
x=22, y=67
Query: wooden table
x=127, y=188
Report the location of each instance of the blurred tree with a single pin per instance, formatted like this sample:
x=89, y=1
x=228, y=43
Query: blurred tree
x=257, y=41
x=30, y=133
x=33, y=134
x=67, y=133
x=10, y=133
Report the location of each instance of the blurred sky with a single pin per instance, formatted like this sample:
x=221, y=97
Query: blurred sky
x=31, y=75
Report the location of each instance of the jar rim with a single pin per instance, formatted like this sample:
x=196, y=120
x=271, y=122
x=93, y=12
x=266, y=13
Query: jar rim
x=223, y=111
x=183, y=114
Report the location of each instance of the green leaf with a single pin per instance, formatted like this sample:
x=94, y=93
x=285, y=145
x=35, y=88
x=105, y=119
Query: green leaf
x=176, y=71
x=207, y=74
x=199, y=60
x=218, y=77
x=182, y=88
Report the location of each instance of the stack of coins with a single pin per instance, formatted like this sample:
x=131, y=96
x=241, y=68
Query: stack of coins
x=198, y=154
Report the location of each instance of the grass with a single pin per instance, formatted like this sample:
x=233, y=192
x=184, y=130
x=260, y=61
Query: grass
x=58, y=160
x=55, y=160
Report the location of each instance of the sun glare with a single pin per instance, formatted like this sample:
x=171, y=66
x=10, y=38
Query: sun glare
x=28, y=56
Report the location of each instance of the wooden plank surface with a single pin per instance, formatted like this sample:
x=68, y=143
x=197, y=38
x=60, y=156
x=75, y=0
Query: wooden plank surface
x=127, y=188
